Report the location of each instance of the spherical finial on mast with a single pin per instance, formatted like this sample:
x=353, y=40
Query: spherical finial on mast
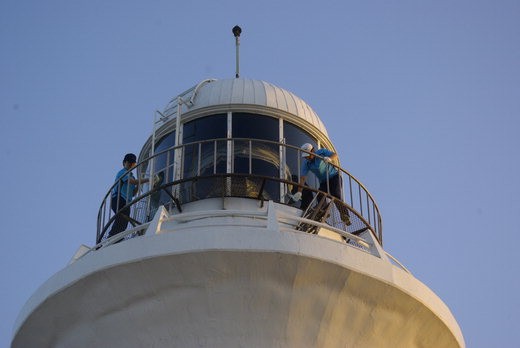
x=237, y=31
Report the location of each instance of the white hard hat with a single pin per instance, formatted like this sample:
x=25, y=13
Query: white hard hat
x=306, y=147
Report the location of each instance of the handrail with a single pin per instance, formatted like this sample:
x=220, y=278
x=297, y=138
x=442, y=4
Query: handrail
x=203, y=171
x=393, y=259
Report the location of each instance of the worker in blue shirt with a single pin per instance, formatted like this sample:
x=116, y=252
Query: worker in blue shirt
x=327, y=174
x=122, y=194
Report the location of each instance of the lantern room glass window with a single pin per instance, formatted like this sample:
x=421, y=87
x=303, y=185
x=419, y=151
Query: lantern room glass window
x=257, y=158
x=203, y=159
x=245, y=154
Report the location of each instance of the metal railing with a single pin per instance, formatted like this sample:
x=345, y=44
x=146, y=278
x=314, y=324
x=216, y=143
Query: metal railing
x=237, y=167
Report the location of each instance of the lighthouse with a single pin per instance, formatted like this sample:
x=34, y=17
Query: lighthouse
x=220, y=251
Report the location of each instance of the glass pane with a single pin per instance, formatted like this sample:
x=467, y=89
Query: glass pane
x=205, y=128
x=203, y=158
x=255, y=126
x=210, y=127
x=297, y=137
x=258, y=158
x=163, y=163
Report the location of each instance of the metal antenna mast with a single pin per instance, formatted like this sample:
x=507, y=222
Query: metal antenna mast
x=237, y=31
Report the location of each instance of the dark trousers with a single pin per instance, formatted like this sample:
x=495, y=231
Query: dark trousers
x=333, y=188
x=121, y=220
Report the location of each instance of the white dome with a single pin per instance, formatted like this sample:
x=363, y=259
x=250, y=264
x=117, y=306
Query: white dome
x=248, y=92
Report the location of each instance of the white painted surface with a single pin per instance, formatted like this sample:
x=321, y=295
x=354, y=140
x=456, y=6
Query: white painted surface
x=252, y=92
x=226, y=286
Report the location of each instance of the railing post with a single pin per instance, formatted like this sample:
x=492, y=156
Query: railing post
x=151, y=163
x=283, y=166
x=199, y=159
x=167, y=166
x=350, y=193
x=327, y=179
x=360, y=200
x=250, y=143
x=299, y=164
x=215, y=154
x=368, y=207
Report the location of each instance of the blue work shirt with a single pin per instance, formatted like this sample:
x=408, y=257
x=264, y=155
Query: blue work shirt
x=319, y=167
x=127, y=190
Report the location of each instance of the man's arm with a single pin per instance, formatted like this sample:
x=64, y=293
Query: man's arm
x=134, y=181
x=329, y=156
x=302, y=182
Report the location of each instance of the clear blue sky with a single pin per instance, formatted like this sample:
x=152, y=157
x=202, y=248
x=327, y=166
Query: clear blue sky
x=421, y=98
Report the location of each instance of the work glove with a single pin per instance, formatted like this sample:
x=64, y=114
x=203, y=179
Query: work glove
x=156, y=179
x=297, y=196
x=327, y=159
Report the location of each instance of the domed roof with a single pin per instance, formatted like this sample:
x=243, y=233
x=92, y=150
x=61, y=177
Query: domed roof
x=249, y=92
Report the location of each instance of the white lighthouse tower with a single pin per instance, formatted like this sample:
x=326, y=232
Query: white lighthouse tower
x=218, y=253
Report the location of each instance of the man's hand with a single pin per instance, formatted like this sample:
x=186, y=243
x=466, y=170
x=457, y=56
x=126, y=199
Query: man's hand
x=297, y=196
x=327, y=159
